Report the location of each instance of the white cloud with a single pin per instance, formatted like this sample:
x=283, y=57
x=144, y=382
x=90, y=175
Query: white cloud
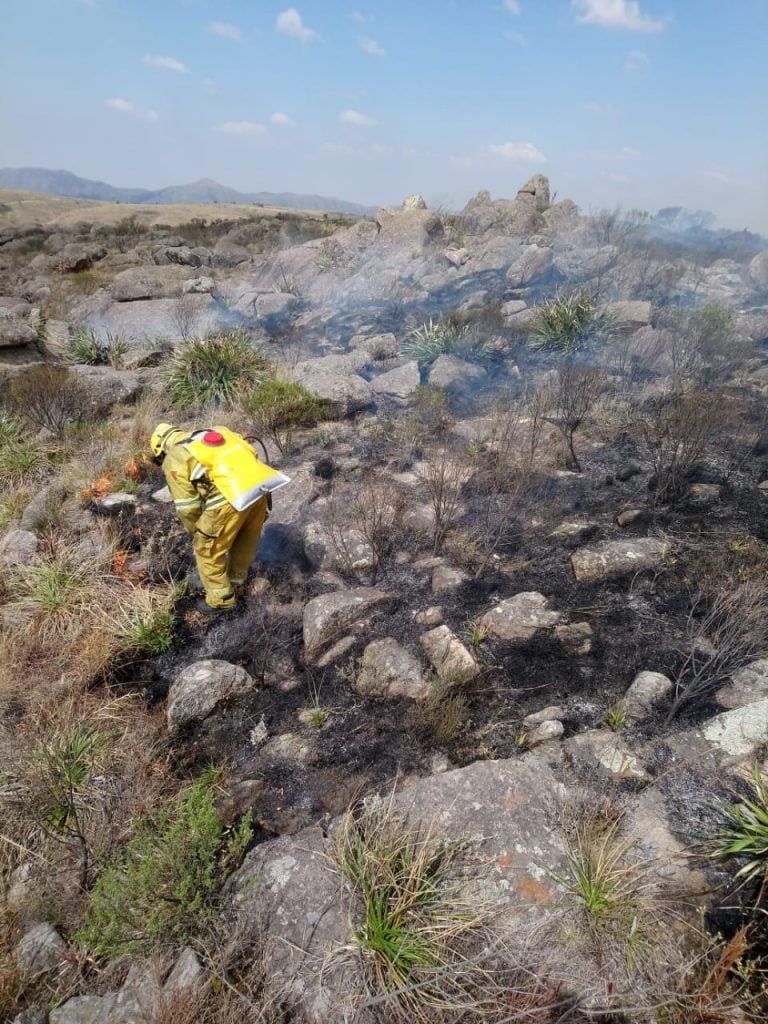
x=636, y=60
x=521, y=152
x=242, y=129
x=614, y=176
x=282, y=120
x=126, y=107
x=717, y=176
x=169, y=63
x=225, y=30
x=290, y=23
x=371, y=46
x=616, y=14
x=116, y=103
x=513, y=6
x=356, y=118
x=358, y=17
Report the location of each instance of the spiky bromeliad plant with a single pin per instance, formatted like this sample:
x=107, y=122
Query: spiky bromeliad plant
x=746, y=833
x=213, y=371
x=442, y=337
x=571, y=322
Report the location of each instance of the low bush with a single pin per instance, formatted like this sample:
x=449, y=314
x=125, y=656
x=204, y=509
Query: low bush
x=571, y=322
x=48, y=396
x=162, y=891
x=214, y=371
x=279, y=407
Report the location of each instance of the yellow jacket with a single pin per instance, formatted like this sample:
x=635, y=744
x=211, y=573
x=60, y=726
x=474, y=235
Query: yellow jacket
x=202, y=476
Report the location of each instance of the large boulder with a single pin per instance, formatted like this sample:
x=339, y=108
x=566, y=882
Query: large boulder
x=342, y=391
x=328, y=614
x=410, y=230
x=497, y=814
x=388, y=670
x=618, y=558
x=275, y=307
x=536, y=190
x=228, y=253
x=454, y=375
x=740, y=733
x=399, y=385
x=105, y=387
x=15, y=332
x=519, y=618
x=147, y=283
x=176, y=255
x=40, y=950
x=630, y=315
x=199, y=688
x=534, y=263
x=78, y=256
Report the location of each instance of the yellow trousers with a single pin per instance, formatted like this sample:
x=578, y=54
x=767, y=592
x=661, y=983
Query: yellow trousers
x=224, y=543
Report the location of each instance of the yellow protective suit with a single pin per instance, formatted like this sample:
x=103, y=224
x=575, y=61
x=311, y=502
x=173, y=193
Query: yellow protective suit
x=224, y=538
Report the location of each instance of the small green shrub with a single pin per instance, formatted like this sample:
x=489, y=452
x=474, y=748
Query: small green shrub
x=571, y=322
x=746, y=834
x=216, y=370
x=279, y=407
x=162, y=891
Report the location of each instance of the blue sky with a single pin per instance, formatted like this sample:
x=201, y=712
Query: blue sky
x=639, y=104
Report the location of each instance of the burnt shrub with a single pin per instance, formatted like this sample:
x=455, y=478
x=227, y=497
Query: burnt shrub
x=569, y=400
x=702, y=345
x=676, y=430
x=48, y=396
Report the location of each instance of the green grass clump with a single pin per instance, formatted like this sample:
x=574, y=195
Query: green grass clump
x=278, y=407
x=409, y=916
x=746, y=834
x=57, y=590
x=215, y=371
x=569, y=323
x=445, y=337
x=162, y=891
x=21, y=459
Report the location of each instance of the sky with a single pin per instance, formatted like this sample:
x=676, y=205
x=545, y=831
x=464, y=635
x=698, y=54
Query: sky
x=640, y=104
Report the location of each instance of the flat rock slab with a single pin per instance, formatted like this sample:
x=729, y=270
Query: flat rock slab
x=741, y=732
x=200, y=687
x=496, y=807
x=388, y=670
x=449, y=656
x=748, y=685
x=618, y=558
x=519, y=618
x=342, y=392
x=83, y=1010
x=329, y=614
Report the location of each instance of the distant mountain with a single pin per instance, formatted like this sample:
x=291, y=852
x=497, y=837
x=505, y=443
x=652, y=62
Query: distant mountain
x=64, y=183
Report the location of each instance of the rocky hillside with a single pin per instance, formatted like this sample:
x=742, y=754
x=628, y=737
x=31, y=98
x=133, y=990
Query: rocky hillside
x=485, y=739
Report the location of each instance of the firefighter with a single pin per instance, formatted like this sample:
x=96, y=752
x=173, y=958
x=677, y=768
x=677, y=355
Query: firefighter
x=220, y=490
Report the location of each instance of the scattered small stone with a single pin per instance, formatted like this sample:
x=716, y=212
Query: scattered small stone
x=763, y=485
x=629, y=516
x=186, y=974
x=618, y=558
x=448, y=654
x=289, y=746
x=576, y=637
x=18, y=547
x=118, y=503
x=338, y=650
x=259, y=734
x=432, y=616
x=40, y=949
x=520, y=617
x=627, y=471
x=553, y=713
x=457, y=257
x=328, y=614
x=162, y=496
x=200, y=687
x=445, y=578
x=619, y=760
x=550, y=730
x=704, y=494
x=647, y=689
x=388, y=670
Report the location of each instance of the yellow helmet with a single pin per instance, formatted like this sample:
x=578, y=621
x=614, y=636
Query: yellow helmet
x=159, y=437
